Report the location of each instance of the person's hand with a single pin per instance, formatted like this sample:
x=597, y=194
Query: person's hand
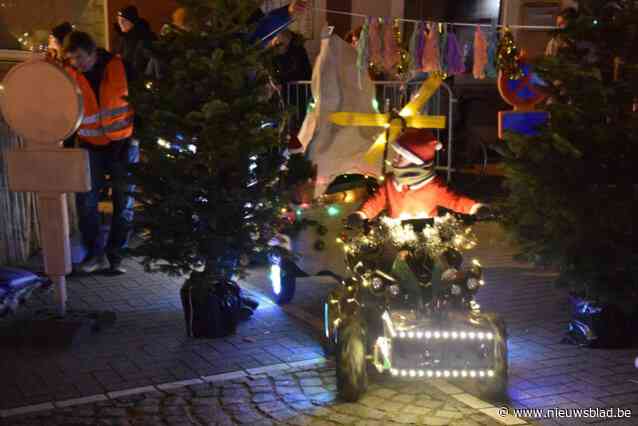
x=297, y=7
x=355, y=221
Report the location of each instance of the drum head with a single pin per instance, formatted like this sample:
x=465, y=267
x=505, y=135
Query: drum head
x=41, y=102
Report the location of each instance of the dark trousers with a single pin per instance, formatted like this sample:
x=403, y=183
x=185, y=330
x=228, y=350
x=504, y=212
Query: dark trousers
x=113, y=160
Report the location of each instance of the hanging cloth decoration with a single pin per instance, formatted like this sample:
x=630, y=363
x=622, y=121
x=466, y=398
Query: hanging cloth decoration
x=376, y=42
x=480, y=54
x=492, y=40
x=431, y=51
x=442, y=48
x=507, y=56
x=363, y=60
x=391, y=52
x=454, y=56
x=415, y=52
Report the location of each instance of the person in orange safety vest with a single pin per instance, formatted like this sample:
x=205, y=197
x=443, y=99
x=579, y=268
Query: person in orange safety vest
x=105, y=132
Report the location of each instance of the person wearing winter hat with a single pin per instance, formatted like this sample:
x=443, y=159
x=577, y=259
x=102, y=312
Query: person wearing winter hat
x=135, y=44
x=411, y=189
x=56, y=41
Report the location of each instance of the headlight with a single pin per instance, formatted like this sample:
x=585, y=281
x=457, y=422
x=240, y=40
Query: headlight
x=377, y=283
x=455, y=290
x=473, y=283
x=395, y=290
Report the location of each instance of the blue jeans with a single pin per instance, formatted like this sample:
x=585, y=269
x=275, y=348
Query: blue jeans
x=114, y=160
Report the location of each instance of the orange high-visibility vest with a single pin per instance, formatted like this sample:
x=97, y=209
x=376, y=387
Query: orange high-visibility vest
x=111, y=118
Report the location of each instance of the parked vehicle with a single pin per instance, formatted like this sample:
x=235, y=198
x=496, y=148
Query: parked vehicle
x=429, y=327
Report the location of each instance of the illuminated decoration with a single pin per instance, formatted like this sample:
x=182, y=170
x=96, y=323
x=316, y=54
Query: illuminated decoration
x=523, y=94
x=508, y=56
x=395, y=123
x=275, y=278
x=447, y=233
x=333, y=211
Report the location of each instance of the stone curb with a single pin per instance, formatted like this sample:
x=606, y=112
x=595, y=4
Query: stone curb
x=292, y=366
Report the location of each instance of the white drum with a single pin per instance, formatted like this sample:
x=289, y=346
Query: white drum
x=41, y=102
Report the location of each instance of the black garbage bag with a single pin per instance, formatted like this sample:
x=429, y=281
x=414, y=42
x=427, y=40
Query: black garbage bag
x=210, y=310
x=599, y=325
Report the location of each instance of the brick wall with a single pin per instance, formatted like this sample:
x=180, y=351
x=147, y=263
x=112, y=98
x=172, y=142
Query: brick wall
x=91, y=20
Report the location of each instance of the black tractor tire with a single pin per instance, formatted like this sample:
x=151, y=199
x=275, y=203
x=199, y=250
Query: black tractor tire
x=352, y=371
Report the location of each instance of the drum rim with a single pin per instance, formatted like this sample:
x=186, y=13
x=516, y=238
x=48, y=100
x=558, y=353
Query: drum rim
x=72, y=129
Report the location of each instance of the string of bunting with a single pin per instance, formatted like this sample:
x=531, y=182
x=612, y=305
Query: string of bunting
x=435, y=48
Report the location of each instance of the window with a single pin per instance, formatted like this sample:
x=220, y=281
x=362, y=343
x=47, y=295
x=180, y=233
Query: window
x=26, y=24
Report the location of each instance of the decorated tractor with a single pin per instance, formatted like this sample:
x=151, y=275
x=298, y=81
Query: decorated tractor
x=408, y=306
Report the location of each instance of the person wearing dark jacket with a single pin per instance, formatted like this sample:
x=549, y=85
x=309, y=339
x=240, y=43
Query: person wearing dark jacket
x=291, y=64
x=136, y=39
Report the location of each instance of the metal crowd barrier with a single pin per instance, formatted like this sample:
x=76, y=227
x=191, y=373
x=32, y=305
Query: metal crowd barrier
x=390, y=95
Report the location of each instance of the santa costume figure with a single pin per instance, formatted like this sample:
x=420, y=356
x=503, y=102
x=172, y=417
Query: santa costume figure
x=411, y=189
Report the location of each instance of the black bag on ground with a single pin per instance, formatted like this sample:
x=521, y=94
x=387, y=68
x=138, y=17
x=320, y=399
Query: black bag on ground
x=599, y=325
x=211, y=310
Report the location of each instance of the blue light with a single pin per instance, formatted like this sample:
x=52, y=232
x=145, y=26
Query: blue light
x=333, y=211
x=326, y=325
x=275, y=278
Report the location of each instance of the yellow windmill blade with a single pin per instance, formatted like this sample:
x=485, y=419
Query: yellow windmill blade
x=426, y=121
x=375, y=153
x=425, y=92
x=359, y=119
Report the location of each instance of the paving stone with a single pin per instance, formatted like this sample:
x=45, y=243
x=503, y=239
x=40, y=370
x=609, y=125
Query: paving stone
x=406, y=399
x=343, y=419
x=405, y=418
x=448, y=414
x=384, y=393
x=435, y=421
x=428, y=403
x=391, y=407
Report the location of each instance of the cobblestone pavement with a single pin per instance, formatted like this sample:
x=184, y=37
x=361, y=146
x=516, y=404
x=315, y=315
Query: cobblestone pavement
x=544, y=373
x=295, y=397
x=91, y=383
x=146, y=346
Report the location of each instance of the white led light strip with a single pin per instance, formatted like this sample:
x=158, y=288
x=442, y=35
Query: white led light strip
x=453, y=335
x=442, y=373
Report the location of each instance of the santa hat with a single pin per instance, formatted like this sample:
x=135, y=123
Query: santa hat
x=419, y=146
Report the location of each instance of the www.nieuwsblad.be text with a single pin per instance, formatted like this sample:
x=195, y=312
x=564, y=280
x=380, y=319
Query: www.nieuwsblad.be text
x=567, y=413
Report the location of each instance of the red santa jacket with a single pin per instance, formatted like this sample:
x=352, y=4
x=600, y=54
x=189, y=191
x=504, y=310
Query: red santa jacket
x=416, y=202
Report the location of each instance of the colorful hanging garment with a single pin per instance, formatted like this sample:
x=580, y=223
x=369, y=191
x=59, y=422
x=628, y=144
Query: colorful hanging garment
x=376, y=42
x=442, y=47
x=363, y=59
x=492, y=43
x=391, y=52
x=431, y=51
x=454, y=56
x=415, y=53
x=480, y=54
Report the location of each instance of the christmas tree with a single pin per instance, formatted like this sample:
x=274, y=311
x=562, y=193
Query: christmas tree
x=572, y=187
x=210, y=178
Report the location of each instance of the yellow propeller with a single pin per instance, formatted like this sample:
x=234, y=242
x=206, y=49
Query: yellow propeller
x=395, y=125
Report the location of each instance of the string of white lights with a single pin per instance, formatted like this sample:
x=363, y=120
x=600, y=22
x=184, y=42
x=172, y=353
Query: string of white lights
x=430, y=373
